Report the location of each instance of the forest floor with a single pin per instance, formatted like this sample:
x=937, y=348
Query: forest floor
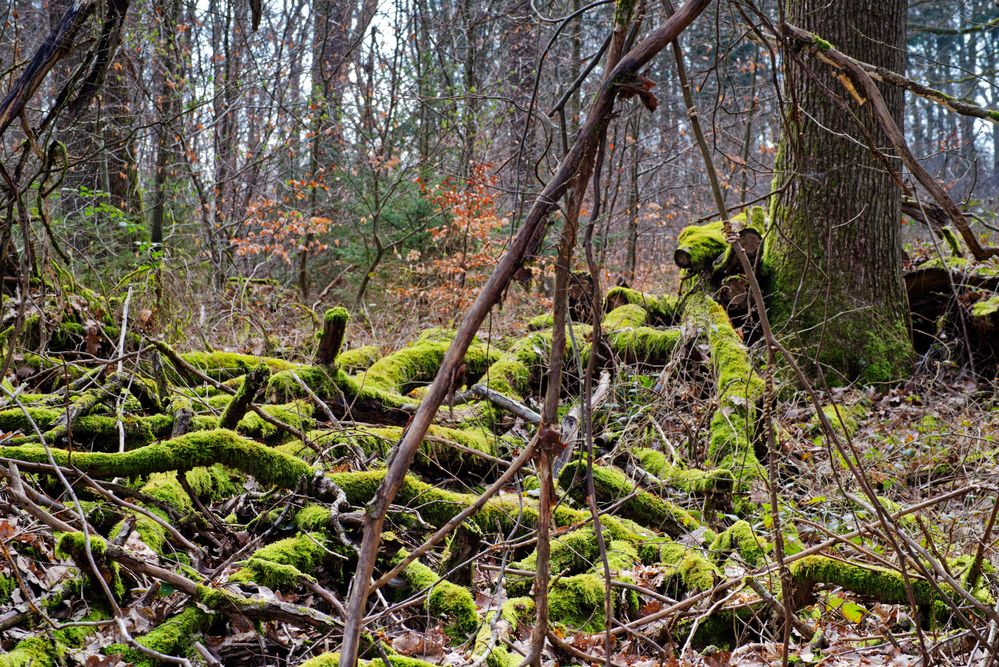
x=203, y=505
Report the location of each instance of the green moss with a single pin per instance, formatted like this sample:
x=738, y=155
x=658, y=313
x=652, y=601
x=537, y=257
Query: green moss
x=886, y=586
x=436, y=451
x=691, y=570
x=821, y=44
x=578, y=602
x=313, y=518
x=452, y=603
x=645, y=344
x=282, y=565
x=625, y=317
x=685, y=479
x=986, y=307
x=612, y=485
x=174, y=636
x=845, y=419
x=662, y=310
x=417, y=364
x=192, y=450
x=30, y=652
x=228, y=365
x=358, y=358
x=739, y=537
x=517, y=372
x=74, y=547
x=540, y=322
x=7, y=587
x=702, y=244
x=738, y=388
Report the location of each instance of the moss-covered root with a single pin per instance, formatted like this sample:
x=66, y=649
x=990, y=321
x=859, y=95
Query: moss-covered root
x=642, y=507
x=689, y=480
x=663, y=310
x=244, y=396
x=223, y=366
x=578, y=601
x=417, y=363
x=517, y=372
x=633, y=341
x=688, y=568
x=443, y=448
x=738, y=388
x=449, y=602
x=885, y=586
x=285, y=564
x=202, y=448
x=499, y=627
x=331, y=339
x=358, y=359
x=175, y=636
x=740, y=538
x=387, y=381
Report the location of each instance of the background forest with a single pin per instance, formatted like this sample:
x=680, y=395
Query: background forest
x=499, y=332
x=327, y=148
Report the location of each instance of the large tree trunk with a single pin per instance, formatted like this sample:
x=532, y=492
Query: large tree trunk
x=833, y=254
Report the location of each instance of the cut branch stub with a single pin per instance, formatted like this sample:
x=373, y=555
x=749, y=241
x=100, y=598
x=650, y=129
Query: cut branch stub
x=334, y=329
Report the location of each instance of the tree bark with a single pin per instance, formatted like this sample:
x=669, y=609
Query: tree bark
x=833, y=255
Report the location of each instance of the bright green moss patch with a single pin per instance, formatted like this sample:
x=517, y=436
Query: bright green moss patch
x=645, y=508
x=358, y=358
x=333, y=660
x=700, y=245
x=845, y=419
x=685, y=479
x=30, y=652
x=175, y=636
x=689, y=567
x=540, y=322
x=452, y=603
x=986, y=307
x=284, y=564
x=578, y=602
x=228, y=365
x=737, y=385
x=662, y=310
x=886, y=586
x=739, y=537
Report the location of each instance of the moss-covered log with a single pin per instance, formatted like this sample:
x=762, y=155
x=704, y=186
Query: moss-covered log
x=633, y=341
x=202, y=448
x=663, y=310
x=689, y=480
x=641, y=506
x=175, y=636
x=703, y=248
x=738, y=388
x=443, y=449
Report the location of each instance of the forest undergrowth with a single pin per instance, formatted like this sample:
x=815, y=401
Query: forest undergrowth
x=204, y=502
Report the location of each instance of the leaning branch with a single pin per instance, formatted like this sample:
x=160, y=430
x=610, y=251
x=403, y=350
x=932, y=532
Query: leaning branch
x=836, y=59
x=534, y=226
